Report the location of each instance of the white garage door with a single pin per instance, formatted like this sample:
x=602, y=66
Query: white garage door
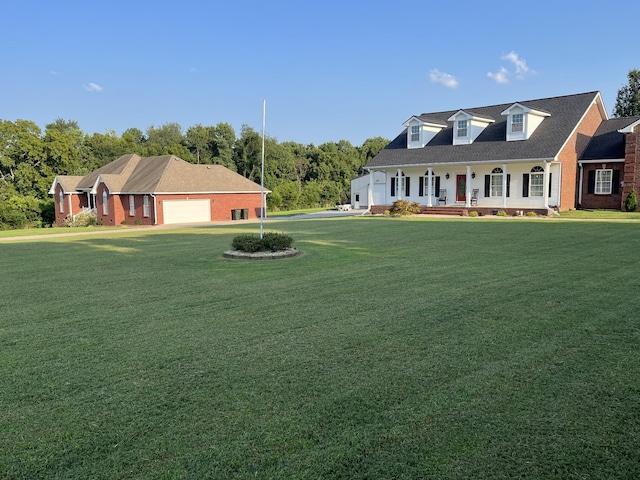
x=186, y=211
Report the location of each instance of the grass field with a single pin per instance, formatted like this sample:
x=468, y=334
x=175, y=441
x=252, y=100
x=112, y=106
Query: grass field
x=391, y=349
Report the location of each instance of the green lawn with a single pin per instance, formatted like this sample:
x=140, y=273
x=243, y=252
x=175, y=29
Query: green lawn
x=391, y=349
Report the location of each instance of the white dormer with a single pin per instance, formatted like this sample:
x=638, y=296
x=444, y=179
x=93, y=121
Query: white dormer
x=467, y=126
x=522, y=121
x=421, y=131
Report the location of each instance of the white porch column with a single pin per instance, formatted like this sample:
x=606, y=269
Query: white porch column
x=370, y=191
x=429, y=188
x=504, y=185
x=399, y=184
x=546, y=191
x=467, y=194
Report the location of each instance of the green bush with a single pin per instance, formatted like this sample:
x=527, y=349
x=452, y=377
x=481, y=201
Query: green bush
x=276, y=241
x=532, y=214
x=474, y=213
x=247, y=243
x=271, y=241
x=502, y=213
x=631, y=203
x=402, y=208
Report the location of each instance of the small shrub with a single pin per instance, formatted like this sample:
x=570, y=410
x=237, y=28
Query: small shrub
x=247, y=243
x=276, y=241
x=474, y=213
x=402, y=208
x=631, y=203
x=123, y=222
x=271, y=241
x=387, y=212
x=532, y=214
x=502, y=213
x=137, y=221
x=84, y=219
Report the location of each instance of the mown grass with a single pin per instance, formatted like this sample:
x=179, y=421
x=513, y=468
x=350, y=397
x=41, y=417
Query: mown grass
x=601, y=215
x=391, y=348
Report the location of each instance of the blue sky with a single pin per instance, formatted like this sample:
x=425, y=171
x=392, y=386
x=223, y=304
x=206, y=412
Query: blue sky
x=328, y=70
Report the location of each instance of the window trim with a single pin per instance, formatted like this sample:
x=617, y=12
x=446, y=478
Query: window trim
x=415, y=133
x=600, y=184
x=537, y=172
x=517, y=127
x=105, y=202
x=496, y=174
x=462, y=128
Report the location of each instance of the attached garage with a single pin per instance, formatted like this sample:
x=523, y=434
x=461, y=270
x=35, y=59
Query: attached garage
x=186, y=211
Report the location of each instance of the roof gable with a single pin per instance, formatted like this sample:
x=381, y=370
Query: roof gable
x=608, y=142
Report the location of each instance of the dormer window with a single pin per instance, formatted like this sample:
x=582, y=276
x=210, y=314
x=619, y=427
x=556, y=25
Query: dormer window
x=422, y=129
x=517, y=122
x=522, y=121
x=415, y=133
x=467, y=126
x=462, y=128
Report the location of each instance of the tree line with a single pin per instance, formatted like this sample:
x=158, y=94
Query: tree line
x=299, y=176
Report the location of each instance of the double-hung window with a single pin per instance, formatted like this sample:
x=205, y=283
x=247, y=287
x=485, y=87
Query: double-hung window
x=517, y=122
x=604, y=181
x=496, y=182
x=462, y=128
x=61, y=200
x=415, y=133
x=536, y=182
x=105, y=204
x=145, y=206
x=132, y=205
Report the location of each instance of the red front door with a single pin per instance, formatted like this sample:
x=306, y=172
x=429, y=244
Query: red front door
x=461, y=188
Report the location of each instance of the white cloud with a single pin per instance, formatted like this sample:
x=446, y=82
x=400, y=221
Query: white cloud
x=504, y=74
x=521, y=65
x=501, y=76
x=93, y=87
x=436, y=76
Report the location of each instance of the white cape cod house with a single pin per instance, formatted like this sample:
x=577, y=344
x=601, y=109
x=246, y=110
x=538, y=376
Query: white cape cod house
x=521, y=156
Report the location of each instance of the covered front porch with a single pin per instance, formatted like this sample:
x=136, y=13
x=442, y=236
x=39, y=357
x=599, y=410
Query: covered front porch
x=516, y=187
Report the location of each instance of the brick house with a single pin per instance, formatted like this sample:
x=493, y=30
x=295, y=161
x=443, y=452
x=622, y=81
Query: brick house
x=157, y=191
x=540, y=155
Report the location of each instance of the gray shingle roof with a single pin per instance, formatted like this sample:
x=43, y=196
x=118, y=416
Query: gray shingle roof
x=607, y=143
x=491, y=145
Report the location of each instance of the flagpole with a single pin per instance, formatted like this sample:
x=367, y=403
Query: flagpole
x=263, y=207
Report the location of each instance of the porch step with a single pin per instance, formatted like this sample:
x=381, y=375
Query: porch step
x=459, y=211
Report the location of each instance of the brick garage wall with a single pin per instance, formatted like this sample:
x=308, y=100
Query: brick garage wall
x=569, y=156
x=221, y=204
x=631, y=174
x=225, y=202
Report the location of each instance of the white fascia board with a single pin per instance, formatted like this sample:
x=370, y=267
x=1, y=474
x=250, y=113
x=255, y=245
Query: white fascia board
x=629, y=128
x=603, y=160
x=94, y=188
x=52, y=190
x=525, y=110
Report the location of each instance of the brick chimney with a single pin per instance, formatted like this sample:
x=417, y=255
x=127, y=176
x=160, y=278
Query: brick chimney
x=631, y=176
